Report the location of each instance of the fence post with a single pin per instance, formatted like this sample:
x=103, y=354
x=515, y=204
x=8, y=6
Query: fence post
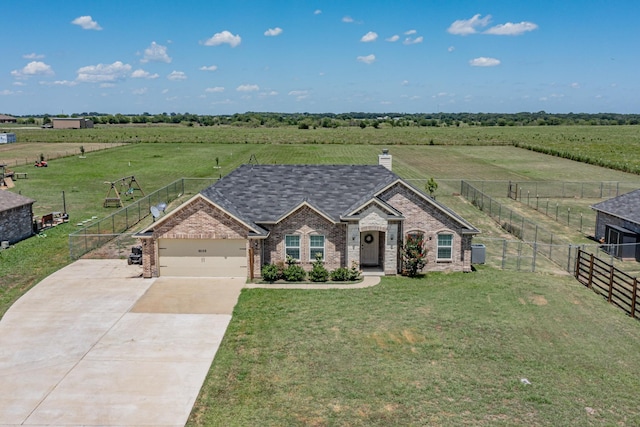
x=533, y=258
x=519, y=256
x=611, y=272
x=504, y=252
x=591, y=258
x=569, y=259
x=633, y=297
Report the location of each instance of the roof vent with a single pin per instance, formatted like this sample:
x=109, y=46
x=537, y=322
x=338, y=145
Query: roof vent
x=384, y=159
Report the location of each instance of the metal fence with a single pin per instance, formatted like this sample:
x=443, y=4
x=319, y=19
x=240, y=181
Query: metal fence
x=95, y=234
x=521, y=190
x=51, y=155
x=535, y=245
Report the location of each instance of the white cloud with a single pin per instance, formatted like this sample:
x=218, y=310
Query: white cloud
x=177, y=75
x=103, y=73
x=33, y=68
x=87, y=23
x=19, y=83
x=272, y=32
x=140, y=91
x=369, y=59
x=7, y=92
x=299, y=94
x=247, y=88
x=404, y=83
x=484, y=62
x=164, y=91
x=409, y=40
x=209, y=68
x=317, y=12
x=156, y=53
x=511, y=29
x=575, y=85
x=33, y=56
x=393, y=38
x=142, y=74
x=463, y=27
x=369, y=37
x=410, y=32
x=347, y=19
x=222, y=38
x=69, y=83
x=217, y=89
x=451, y=49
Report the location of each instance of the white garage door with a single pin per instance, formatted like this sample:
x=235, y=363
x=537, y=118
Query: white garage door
x=202, y=257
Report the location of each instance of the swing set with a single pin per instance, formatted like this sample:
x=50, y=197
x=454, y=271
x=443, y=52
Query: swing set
x=122, y=188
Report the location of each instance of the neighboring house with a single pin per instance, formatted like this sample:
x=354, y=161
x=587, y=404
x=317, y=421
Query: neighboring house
x=7, y=119
x=72, y=123
x=259, y=214
x=16, y=217
x=618, y=222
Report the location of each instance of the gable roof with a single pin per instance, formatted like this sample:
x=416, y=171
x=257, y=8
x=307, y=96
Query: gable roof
x=625, y=206
x=265, y=194
x=9, y=200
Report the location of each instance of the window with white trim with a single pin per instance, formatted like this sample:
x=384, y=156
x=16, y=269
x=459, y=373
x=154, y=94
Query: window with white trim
x=316, y=246
x=445, y=247
x=292, y=246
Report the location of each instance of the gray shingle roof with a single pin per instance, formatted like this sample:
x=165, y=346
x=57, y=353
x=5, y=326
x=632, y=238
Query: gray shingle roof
x=9, y=200
x=625, y=206
x=264, y=193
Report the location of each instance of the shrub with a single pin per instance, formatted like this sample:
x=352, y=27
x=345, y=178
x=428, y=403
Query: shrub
x=294, y=273
x=340, y=274
x=271, y=273
x=318, y=273
x=414, y=255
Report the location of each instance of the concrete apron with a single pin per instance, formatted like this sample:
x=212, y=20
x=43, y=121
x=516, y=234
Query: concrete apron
x=95, y=344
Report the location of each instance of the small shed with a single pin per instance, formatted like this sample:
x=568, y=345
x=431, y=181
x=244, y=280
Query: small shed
x=7, y=119
x=7, y=138
x=16, y=217
x=72, y=123
x=618, y=225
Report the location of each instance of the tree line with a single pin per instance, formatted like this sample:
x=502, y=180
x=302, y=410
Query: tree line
x=332, y=120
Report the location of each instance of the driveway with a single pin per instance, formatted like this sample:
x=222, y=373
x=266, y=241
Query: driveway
x=95, y=344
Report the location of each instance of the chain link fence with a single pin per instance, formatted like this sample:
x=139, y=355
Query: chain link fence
x=96, y=234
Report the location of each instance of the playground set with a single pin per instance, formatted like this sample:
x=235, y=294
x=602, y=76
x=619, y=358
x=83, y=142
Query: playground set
x=122, y=188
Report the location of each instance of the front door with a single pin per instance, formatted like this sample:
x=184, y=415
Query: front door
x=370, y=248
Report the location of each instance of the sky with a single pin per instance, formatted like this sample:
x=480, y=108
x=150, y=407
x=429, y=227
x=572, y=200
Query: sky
x=294, y=56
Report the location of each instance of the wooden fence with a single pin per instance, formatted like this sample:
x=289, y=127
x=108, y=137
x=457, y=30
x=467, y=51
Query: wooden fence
x=619, y=288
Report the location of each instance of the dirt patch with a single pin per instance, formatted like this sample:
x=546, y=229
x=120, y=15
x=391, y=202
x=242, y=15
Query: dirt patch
x=538, y=300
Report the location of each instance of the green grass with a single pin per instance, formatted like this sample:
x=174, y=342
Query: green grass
x=446, y=349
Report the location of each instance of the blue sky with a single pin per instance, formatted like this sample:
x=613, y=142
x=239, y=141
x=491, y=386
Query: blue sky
x=224, y=57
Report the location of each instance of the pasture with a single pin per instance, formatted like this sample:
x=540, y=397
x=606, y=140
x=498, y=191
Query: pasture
x=441, y=350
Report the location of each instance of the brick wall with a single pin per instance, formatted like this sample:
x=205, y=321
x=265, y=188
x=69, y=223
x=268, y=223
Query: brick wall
x=420, y=215
x=305, y=222
x=196, y=220
x=16, y=224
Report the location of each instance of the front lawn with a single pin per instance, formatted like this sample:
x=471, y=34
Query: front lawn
x=446, y=349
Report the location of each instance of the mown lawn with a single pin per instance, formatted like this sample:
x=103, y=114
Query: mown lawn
x=445, y=350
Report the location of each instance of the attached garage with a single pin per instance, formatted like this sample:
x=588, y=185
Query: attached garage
x=202, y=257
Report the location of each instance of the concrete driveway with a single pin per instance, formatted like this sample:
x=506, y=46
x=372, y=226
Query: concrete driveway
x=95, y=344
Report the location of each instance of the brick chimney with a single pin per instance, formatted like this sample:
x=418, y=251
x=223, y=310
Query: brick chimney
x=384, y=159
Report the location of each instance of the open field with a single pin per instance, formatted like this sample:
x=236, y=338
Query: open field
x=444, y=350
x=611, y=146
x=155, y=165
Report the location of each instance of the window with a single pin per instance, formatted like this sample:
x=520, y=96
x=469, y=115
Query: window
x=292, y=247
x=445, y=247
x=316, y=246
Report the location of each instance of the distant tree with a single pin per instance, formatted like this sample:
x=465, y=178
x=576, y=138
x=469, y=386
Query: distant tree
x=431, y=186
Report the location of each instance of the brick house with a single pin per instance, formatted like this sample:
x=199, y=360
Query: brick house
x=618, y=225
x=16, y=217
x=259, y=214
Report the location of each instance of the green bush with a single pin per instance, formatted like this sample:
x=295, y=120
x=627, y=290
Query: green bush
x=294, y=273
x=340, y=274
x=270, y=273
x=414, y=256
x=318, y=273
